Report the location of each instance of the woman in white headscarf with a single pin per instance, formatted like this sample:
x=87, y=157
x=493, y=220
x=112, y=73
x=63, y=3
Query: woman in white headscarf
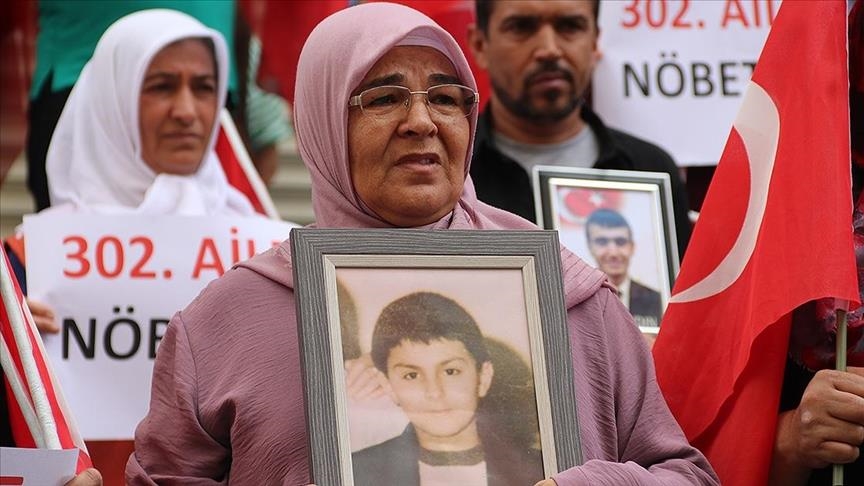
x=138, y=131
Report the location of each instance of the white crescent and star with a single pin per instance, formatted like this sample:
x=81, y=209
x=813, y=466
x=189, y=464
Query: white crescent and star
x=758, y=124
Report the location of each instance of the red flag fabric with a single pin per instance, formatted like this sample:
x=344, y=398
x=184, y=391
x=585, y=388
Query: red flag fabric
x=38, y=414
x=774, y=233
x=239, y=169
x=283, y=27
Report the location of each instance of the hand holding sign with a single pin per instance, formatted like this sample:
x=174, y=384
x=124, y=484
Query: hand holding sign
x=43, y=316
x=88, y=477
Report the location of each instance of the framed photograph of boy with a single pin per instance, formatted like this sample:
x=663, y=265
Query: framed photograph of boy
x=622, y=223
x=434, y=357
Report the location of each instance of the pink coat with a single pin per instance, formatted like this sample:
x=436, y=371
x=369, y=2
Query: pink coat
x=227, y=404
x=227, y=400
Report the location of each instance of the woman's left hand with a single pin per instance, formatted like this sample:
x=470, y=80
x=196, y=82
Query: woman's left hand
x=88, y=477
x=43, y=316
x=547, y=482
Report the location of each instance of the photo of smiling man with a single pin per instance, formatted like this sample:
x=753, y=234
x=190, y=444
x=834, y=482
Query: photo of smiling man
x=610, y=241
x=438, y=371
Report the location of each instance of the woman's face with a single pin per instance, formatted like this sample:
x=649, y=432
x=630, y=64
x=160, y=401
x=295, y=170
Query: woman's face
x=408, y=166
x=177, y=107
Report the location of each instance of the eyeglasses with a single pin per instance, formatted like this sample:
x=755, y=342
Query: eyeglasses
x=451, y=100
x=603, y=241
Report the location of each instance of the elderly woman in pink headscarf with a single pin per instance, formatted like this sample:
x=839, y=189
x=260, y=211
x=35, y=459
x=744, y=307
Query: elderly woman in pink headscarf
x=385, y=116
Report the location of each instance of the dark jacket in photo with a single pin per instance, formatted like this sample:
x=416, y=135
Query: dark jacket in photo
x=396, y=462
x=645, y=304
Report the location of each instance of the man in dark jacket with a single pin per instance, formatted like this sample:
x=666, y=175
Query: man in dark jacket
x=540, y=56
x=610, y=241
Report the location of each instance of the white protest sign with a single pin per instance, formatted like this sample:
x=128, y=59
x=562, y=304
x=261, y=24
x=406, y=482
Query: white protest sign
x=44, y=467
x=114, y=282
x=674, y=71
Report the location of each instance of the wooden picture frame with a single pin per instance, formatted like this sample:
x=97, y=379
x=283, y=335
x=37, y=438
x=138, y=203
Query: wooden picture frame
x=380, y=267
x=567, y=197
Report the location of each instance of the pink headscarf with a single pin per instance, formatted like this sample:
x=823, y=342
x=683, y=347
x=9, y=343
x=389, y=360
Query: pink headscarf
x=335, y=59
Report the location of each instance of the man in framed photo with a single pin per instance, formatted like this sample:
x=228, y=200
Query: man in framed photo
x=540, y=56
x=435, y=360
x=610, y=241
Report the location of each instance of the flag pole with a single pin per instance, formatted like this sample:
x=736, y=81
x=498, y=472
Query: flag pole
x=247, y=165
x=841, y=366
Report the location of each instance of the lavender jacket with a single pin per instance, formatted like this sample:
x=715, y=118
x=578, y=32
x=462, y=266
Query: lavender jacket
x=227, y=401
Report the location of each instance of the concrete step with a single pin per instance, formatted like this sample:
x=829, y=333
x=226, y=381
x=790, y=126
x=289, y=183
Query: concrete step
x=291, y=188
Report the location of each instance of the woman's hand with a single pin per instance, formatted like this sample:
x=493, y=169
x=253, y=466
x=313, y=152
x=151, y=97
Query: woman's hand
x=546, y=482
x=650, y=338
x=43, y=316
x=88, y=477
x=826, y=428
x=363, y=381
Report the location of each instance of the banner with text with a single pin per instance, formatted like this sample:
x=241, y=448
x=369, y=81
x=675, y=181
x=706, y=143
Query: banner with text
x=674, y=71
x=114, y=282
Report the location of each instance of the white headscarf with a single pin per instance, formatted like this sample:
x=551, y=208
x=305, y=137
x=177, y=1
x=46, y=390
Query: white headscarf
x=94, y=161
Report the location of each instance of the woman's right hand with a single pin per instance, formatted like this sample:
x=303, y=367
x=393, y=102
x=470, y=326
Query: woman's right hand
x=43, y=316
x=828, y=425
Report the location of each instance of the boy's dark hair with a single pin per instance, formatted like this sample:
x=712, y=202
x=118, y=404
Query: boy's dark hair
x=423, y=317
x=606, y=218
x=483, y=11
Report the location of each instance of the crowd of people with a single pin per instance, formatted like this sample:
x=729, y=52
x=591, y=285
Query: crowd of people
x=388, y=122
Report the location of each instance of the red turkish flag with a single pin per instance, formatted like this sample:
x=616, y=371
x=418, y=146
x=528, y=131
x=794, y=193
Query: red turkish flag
x=37, y=415
x=775, y=232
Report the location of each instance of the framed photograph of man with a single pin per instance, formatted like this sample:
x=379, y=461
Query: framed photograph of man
x=622, y=223
x=434, y=357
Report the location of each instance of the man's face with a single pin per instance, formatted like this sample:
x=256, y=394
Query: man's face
x=539, y=55
x=612, y=249
x=438, y=387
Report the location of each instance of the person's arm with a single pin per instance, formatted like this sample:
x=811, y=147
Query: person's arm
x=648, y=446
x=826, y=428
x=171, y=445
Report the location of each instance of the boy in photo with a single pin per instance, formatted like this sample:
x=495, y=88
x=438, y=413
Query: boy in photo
x=438, y=369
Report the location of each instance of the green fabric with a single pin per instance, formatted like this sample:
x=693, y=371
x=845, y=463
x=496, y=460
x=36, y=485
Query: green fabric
x=266, y=113
x=70, y=29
